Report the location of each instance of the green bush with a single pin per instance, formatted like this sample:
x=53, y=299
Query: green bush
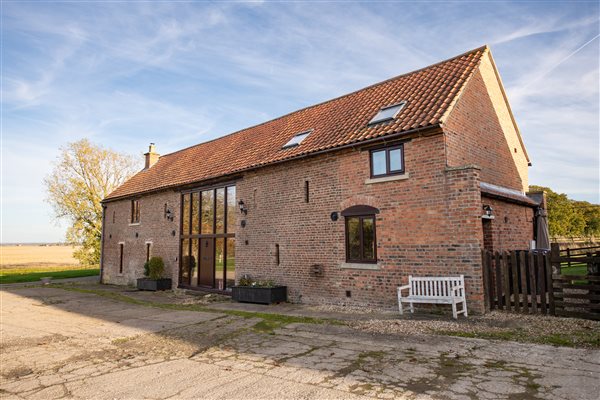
x=247, y=281
x=156, y=268
x=146, y=269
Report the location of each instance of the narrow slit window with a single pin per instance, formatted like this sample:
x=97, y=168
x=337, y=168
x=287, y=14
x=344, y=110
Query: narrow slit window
x=148, y=245
x=387, y=113
x=277, y=260
x=297, y=139
x=121, y=258
x=306, y=192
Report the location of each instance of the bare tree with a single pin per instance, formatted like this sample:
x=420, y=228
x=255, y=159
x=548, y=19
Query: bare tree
x=83, y=175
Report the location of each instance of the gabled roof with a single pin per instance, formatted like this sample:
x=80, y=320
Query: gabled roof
x=429, y=94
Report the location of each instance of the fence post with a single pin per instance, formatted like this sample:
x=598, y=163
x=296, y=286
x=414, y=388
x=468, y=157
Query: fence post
x=542, y=281
x=549, y=284
x=524, y=291
x=486, y=283
x=499, y=282
x=506, y=267
x=554, y=256
x=532, y=282
x=515, y=280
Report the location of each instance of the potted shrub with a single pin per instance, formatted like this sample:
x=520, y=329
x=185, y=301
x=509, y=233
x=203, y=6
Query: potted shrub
x=154, y=270
x=260, y=292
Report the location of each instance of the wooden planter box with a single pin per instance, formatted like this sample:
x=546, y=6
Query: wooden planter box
x=153, y=285
x=259, y=295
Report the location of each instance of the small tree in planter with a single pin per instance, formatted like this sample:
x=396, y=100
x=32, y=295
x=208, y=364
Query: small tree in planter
x=261, y=292
x=154, y=270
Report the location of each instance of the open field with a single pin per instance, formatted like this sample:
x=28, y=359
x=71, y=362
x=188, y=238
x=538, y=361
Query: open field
x=28, y=263
x=15, y=256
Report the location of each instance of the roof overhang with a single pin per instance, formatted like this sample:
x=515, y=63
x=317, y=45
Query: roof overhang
x=506, y=194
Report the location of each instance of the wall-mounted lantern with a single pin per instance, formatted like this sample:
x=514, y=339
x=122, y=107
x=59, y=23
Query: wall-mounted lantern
x=243, y=208
x=168, y=213
x=488, y=212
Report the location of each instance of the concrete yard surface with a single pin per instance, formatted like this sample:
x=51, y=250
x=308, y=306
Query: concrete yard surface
x=66, y=344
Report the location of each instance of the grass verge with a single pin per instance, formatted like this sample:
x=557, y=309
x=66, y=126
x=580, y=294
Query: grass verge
x=578, y=339
x=29, y=275
x=268, y=324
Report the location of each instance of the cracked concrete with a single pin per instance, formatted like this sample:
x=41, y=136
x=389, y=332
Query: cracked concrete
x=61, y=344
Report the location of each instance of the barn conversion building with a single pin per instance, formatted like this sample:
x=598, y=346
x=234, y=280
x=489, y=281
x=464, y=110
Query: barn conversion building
x=339, y=201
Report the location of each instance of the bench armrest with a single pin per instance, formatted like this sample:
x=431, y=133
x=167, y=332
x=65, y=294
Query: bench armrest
x=401, y=288
x=455, y=288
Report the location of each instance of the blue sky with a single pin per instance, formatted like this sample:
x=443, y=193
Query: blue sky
x=124, y=74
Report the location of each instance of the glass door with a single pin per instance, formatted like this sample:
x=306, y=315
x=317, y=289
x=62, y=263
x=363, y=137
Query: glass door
x=207, y=238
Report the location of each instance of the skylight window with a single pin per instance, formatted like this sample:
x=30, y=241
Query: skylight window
x=387, y=113
x=297, y=139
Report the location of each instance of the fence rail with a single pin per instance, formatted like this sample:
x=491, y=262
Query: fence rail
x=530, y=281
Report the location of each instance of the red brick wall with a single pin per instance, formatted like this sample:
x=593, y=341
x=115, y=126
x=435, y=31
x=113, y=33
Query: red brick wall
x=479, y=131
x=429, y=224
x=153, y=227
x=512, y=226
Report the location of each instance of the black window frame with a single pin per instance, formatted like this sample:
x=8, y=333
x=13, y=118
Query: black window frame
x=387, y=150
x=361, y=212
x=135, y=211
x=121, y=256
x=228, y=231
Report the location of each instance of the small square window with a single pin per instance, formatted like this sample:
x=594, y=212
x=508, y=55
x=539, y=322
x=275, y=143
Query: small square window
x=387, y=161
x=387, y=113
x=297, y=139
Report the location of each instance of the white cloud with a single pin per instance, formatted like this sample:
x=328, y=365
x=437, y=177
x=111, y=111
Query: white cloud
x=125, y=74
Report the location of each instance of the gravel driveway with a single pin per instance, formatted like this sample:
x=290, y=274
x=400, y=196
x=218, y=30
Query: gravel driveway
x=64, y=344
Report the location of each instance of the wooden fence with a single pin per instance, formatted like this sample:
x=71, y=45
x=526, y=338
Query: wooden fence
x=530, y=281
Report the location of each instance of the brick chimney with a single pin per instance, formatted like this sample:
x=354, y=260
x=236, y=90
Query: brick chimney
x=151, y=156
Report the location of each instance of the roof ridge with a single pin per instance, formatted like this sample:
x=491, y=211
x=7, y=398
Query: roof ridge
x=481, y=48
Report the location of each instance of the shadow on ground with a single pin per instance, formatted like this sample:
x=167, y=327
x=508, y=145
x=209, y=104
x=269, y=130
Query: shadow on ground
x=64, y=343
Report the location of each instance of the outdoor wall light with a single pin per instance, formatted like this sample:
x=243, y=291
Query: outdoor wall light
x=169, y=215
x=243, y=208
x=488, y=212
x=334, y=216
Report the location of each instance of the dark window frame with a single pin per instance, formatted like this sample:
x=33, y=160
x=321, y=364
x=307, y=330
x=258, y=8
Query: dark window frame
x=362, y=259
x=387, y=150
x=135, y=211
x=361, y=212
x=189, y=235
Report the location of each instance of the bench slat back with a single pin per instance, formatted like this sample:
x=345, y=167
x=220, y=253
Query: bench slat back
x=435, y=286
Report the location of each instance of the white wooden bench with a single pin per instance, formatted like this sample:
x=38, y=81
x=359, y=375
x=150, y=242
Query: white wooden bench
x=435, y=290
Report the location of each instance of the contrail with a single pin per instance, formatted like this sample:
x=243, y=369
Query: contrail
x=560, y=62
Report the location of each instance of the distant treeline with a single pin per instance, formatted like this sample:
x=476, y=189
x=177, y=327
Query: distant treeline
x=568, y=218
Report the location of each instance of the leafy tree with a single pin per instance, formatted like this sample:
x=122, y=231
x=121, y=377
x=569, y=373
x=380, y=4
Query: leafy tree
x=83, y=175
x=591, y=215
x=567, y=217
